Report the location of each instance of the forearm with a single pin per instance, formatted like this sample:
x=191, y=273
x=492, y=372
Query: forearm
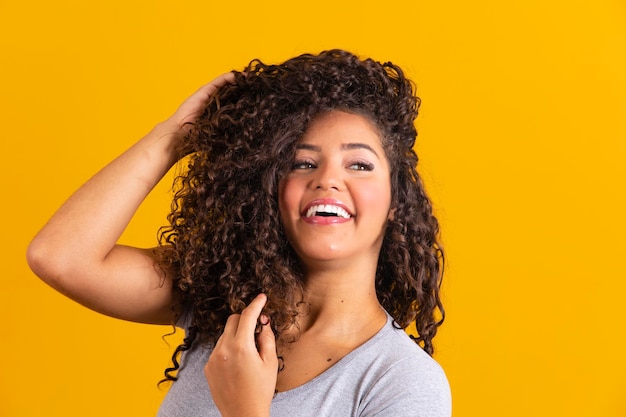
x=87, y=226
x=76, y=252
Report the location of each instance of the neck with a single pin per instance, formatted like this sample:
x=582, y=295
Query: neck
x=340, y=301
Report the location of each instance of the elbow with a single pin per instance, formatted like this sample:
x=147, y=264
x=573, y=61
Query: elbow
x=44, y=262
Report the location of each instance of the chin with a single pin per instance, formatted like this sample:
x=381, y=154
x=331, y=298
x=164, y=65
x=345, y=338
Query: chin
x=320, y=254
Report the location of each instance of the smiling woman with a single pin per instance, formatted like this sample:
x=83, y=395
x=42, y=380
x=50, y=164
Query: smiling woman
x=301, y=244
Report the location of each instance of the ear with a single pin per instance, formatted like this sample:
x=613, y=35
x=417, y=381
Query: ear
x=392, y=213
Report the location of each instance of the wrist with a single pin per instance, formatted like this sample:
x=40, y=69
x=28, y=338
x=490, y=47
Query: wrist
x=168, y=135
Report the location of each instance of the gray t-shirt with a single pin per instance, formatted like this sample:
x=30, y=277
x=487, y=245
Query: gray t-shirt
x=389, y=375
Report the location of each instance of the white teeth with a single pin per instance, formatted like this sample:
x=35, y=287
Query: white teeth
x=327, y=208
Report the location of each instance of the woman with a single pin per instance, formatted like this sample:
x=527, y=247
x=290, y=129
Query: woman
x=300, y=244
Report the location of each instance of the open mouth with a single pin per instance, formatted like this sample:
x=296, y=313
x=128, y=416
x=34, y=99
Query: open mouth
x=327, y=210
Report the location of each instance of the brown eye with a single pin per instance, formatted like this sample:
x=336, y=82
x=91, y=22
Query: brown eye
x=302, y=165
x=362, y=166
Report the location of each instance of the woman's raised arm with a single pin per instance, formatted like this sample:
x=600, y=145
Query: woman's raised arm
x=77, y=253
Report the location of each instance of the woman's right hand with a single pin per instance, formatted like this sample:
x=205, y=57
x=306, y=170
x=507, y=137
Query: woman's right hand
x=193, y=107
x=77, y=253
x=176, y=127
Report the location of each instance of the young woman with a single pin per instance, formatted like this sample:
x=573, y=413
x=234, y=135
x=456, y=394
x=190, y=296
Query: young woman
x=301, y=244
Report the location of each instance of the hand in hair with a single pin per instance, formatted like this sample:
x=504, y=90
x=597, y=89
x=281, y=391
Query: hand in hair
x=242, y=376
x=192, y=108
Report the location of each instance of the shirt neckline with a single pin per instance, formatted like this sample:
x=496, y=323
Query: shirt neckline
x=337, y=367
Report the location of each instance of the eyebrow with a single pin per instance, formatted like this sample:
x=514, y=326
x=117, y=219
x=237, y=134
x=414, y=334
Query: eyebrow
x=344, y=147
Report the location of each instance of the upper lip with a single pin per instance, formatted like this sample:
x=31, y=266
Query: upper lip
x=326, y=202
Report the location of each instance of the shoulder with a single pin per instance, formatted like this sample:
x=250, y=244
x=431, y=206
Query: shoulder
x=405, y=380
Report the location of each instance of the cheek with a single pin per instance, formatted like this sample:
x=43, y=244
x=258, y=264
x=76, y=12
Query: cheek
x=378, y=196
x=287, y=200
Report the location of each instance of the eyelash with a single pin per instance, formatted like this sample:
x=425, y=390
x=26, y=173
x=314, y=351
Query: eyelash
x=302, y=164
x=306, y=164
x=363, y=165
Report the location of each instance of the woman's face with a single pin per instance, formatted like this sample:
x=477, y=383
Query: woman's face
x=335, y=201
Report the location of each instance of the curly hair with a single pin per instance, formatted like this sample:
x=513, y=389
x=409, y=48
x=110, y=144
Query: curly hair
x=225, y=238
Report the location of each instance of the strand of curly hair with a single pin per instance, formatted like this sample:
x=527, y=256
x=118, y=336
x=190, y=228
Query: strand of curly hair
x=225, y=238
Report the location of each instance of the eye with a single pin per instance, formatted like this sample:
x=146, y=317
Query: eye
x=303, y=164
x=361, y=166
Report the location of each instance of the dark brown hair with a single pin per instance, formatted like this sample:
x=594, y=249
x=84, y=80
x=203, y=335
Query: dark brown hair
x=225, y=236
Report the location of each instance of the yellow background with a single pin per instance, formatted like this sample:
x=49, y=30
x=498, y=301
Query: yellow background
x=522, y=138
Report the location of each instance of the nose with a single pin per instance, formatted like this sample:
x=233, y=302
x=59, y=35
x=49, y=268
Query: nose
x=328, y=177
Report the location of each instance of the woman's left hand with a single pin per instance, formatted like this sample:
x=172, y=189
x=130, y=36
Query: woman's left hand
x=242, y=378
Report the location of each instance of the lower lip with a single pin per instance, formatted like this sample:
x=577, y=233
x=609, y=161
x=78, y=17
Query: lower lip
x=323, y=220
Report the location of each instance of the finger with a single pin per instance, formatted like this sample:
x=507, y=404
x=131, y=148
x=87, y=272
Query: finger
x=267, y=343
x=249, y=317
x=210, y=88
x=232, y=323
